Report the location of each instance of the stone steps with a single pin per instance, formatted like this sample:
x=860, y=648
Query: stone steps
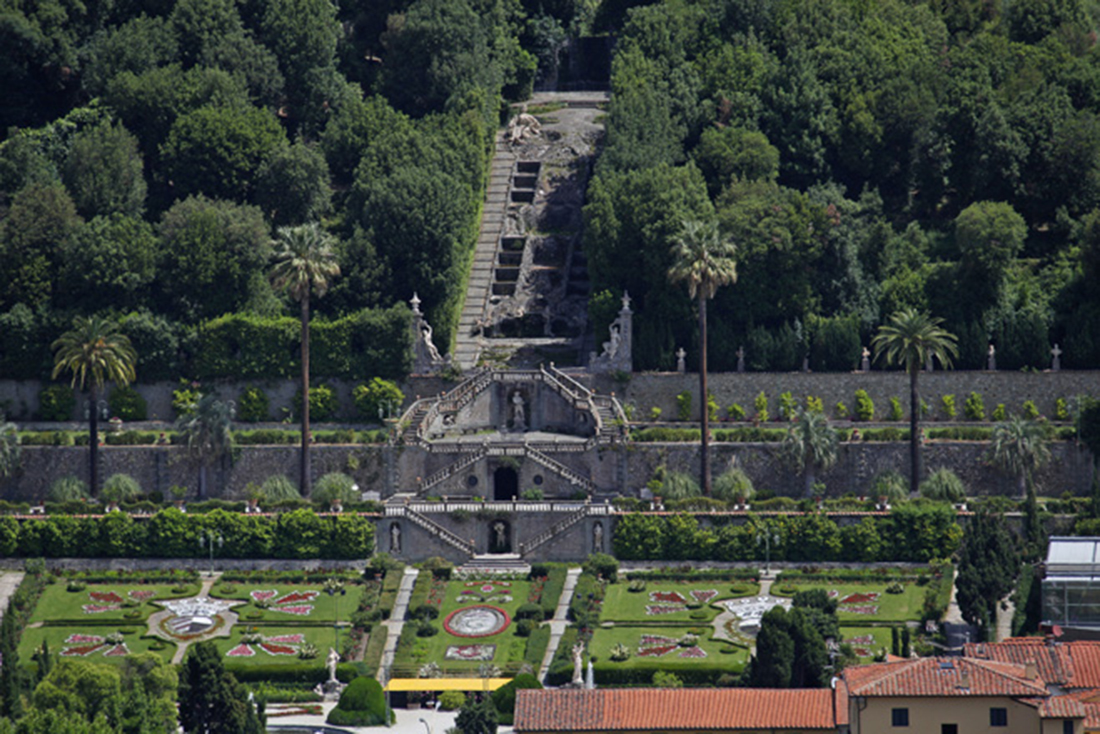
x=494, y=563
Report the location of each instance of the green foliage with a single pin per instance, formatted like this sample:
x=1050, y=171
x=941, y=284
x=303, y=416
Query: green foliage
x=120, y=488
x=683, y=406
x=891, y=485
x=378, y=399
x=602, y=566
x=760, y=404
x=252, y=405
x=211, y=700
x=733, y=484
x=369, y=342
x=814, y=404
x=214, y=151
x=451, y=700
x=1061, y=410
x=335, y=487
x=322, y=402
x=67, y=489
x=127, y=403
x=1029, y=411
x=865, y=407
x=896, y=413
x=477, y=716
x=735, y=412
x=841, y=410
x=104, y=172
x=999, y=413
x=948, y=406
x=974, y=408
x=504, y=698
x=56, y=403
x=666, y=679
x=787, y=405
x=987, y=568
x=943, y=485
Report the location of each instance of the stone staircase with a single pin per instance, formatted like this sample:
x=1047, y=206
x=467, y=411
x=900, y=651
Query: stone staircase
x=433, y=528
x=560, y=527
x=479, y=288
x=494, y=563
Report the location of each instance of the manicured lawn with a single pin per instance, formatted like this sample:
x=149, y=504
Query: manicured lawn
x=902, y=607
x=857, y=638
x=716, y=653
x=278, y=645
x=314, y=605
x=56, y=638
x=668, y=597
x=58, y=603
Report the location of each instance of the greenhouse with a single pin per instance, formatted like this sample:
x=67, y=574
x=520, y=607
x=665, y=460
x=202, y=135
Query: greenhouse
x=1071, y=589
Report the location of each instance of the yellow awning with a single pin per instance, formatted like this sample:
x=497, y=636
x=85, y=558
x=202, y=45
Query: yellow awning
x=446, y=684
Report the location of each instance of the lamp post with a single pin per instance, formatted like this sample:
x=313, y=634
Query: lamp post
x=211, y=538
x=335, y=588
x=767, y=538
x=426, y=725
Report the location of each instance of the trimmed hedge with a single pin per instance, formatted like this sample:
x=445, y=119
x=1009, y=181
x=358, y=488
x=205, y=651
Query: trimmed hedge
x=300, y=534
x=368, y=343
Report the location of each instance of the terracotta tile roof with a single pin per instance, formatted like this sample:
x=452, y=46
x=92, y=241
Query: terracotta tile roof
x=1068, y=664
x=610, y=709
x=942, y=677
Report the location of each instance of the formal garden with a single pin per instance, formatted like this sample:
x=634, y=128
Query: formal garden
x=471, y=625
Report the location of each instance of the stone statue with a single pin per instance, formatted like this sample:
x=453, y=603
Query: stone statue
x=501, y=532
x=616, y=355
x=519, y=413
x=865, y=364
x=680, y=366
x=523, y=126
x=578, y=665
x=991, y=362
x=597, y=538
x=426, y=335
x=331, y=662
x=1056, y=359
x=741, y=358
x=395, y=538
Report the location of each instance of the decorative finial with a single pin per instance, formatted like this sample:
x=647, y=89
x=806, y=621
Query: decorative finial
x=415, y=301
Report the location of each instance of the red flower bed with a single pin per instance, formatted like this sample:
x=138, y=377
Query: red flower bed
x=105, y=597
x=655, y=652
x=272, y=649
x=670, y=597
x=298, y=596
x=859, y=598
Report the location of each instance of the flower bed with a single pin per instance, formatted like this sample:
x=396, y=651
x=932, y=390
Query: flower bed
x=470, y=652
x=477, y=621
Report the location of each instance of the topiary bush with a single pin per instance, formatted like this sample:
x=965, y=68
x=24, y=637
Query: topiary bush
x=322, y=403
x=896, y=413
x=865, y=407
x=126, y=403
x=451, y=700
x=56, y=403
x=362, y=703
x=974, y=407
x=253, y=405
x=948, y=402
x=735, y=412
x=683, y=406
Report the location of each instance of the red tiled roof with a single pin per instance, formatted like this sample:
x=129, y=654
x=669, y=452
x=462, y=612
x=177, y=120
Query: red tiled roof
x=942, y=677
x=1069, y=664
x=611, y=709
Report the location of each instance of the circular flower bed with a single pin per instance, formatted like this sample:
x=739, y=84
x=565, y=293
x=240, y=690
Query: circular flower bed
x=477, y=621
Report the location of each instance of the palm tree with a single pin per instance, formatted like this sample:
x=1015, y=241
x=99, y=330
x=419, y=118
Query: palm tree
x=910, y=339
x=1018, y=447
x=96, y=352
x=704, y=259
x=206, y=429
x=9, y=447
x=810, y=445
x=304, y=267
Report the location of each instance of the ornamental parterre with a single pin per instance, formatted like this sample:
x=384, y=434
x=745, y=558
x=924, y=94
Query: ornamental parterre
x=277, y=645
x=288, y=603
x=480, y=653
x=80, y=646
x=477, y=621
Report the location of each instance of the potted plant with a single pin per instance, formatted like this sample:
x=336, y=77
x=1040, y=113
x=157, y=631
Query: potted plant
x=116, y=424
x=179, y=495
x=253, y=494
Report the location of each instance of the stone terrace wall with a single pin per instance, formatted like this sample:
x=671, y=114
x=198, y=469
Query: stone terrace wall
x=624, y=469
x=649, y=389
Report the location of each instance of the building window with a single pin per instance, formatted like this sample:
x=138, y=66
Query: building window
x=1067, y=726
x=899, y=717
x=998, y=717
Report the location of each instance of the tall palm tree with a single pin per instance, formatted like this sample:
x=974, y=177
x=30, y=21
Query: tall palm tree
x=810, y=445
x=206, y=429
x=96, y=352
x=1018, y=447
x=305, y=265
x=704, y=259
x=910, y=339
x=9, y=447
